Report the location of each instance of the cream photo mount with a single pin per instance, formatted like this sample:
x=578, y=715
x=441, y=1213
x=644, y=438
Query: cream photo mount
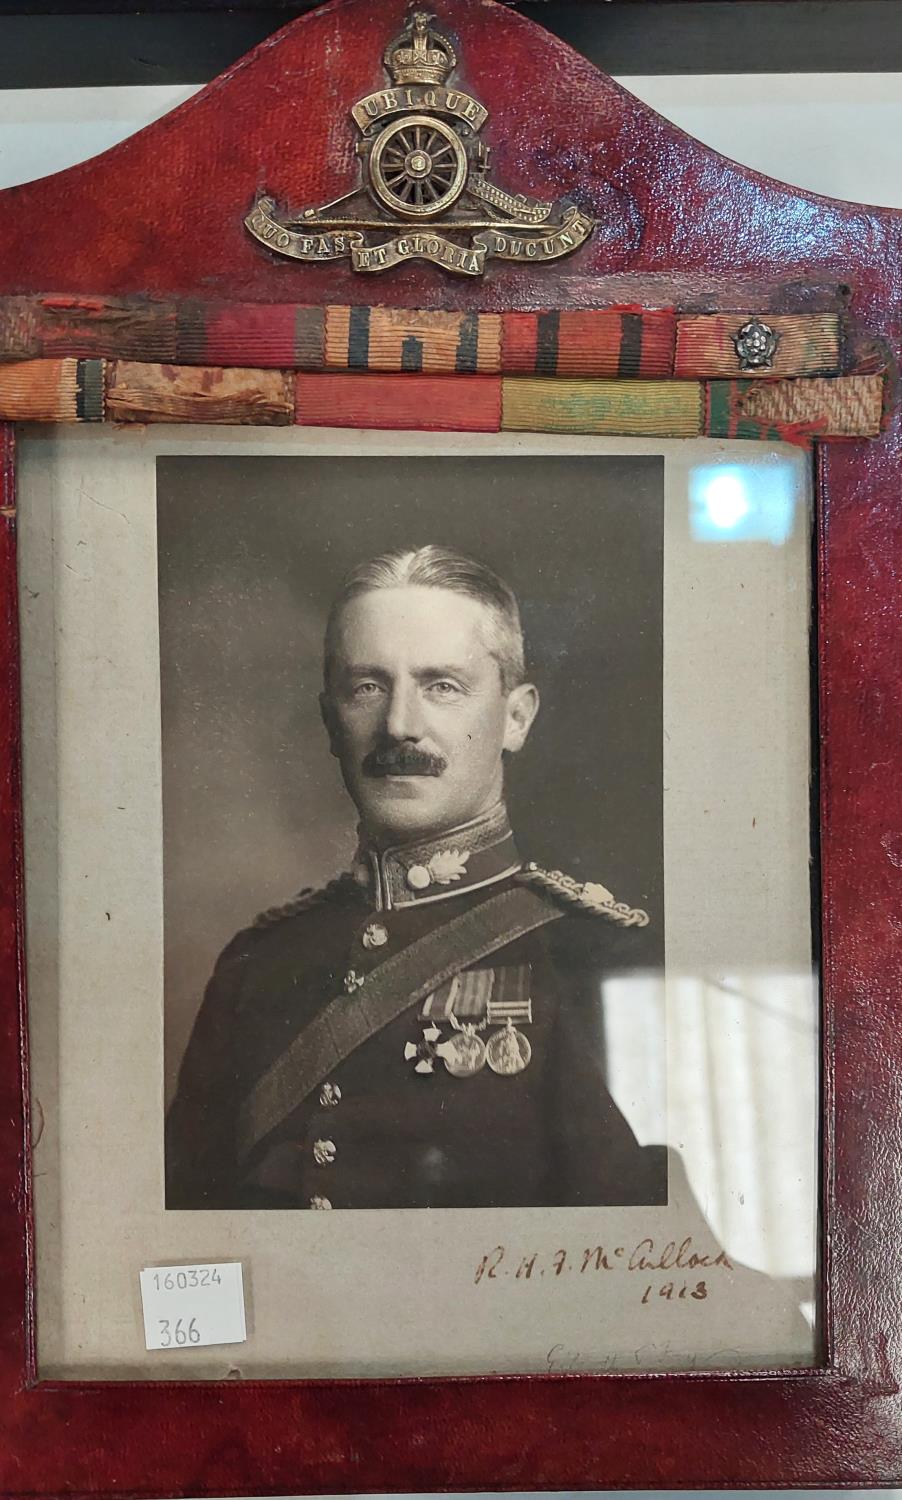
x=736, y=697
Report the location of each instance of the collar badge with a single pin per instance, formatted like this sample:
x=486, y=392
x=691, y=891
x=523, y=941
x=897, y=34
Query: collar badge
x=445, y=866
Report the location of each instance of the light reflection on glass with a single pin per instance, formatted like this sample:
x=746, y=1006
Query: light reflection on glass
x=738, y=1053
x=742, y=502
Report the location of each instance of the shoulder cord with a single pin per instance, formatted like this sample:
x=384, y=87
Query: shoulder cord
x=585, y=896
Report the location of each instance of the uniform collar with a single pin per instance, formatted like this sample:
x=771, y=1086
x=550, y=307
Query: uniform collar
x=459, y=859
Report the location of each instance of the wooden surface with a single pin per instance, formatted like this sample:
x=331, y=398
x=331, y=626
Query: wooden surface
x=679, y=226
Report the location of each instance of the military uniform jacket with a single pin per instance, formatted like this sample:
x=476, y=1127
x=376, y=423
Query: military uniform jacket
x=390, y=1126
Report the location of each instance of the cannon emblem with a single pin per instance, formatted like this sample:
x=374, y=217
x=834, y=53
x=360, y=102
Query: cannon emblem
x=425, y=192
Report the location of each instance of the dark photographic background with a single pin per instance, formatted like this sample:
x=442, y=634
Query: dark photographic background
x=251, y=553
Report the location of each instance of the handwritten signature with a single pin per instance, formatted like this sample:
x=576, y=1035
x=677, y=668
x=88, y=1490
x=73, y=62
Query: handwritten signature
x=646, y=1256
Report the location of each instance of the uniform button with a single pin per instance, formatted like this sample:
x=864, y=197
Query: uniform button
x=318, y=1202
x=352, y=981
x=329, y=1095
x=418, y=878
x=375, y=936
x=324, y=1153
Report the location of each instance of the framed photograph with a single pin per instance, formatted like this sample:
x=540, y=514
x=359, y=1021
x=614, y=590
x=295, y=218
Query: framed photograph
x=449, y=663
x=562, y=1162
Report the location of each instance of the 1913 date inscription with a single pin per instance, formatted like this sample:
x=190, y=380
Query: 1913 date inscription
x=675, y=1260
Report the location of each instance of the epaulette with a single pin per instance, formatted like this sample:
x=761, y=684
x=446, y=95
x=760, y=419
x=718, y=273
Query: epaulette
x=586, y=896
x=305, y=898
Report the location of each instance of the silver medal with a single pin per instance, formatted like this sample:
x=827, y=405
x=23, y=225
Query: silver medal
x=463, y=1054
x=508, y=1051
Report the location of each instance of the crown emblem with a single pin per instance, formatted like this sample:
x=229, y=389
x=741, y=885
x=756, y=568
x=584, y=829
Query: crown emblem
x=424, y=181
x=420, y=54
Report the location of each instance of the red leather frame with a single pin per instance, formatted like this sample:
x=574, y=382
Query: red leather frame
x=679, y=225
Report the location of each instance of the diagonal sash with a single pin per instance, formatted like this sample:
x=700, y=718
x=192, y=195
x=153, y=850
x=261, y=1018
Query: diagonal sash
x=401, y=981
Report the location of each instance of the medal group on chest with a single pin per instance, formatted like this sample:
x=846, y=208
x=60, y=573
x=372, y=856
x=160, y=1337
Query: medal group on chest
x=484, y=1009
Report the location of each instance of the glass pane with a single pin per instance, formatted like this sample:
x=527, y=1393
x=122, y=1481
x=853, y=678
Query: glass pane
x=564, y=1117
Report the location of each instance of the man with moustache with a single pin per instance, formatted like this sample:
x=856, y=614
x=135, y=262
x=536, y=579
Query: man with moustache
x=425, y=1031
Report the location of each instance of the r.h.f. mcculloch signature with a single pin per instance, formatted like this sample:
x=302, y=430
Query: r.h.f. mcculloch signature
x=500, y=1264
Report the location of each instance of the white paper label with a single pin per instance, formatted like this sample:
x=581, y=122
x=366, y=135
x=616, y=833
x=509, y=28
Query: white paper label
x=188, y=1306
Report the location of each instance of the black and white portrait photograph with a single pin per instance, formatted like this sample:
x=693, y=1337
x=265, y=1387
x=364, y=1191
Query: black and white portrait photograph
x=419, y=897
x=412, y=812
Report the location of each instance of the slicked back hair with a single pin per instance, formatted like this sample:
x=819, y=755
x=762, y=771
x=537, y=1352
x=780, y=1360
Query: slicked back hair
x=435, y=567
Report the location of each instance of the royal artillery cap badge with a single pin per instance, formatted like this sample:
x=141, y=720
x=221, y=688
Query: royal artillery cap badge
x=425, y=179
